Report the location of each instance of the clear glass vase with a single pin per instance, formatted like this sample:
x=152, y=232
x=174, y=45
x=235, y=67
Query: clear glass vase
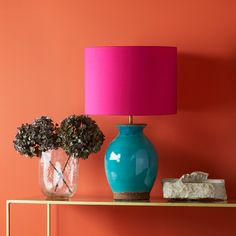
x=58, y=174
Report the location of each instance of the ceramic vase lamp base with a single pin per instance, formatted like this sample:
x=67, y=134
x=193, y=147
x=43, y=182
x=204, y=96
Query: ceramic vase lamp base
x=131, y=164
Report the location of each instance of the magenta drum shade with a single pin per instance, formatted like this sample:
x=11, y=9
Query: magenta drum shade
x=130, y=80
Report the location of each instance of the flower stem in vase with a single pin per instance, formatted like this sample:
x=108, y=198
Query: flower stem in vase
x=61, y=175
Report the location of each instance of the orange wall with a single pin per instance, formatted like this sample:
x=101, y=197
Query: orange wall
x=41, y=72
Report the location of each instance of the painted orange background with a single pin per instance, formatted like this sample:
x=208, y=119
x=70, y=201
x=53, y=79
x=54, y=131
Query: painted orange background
x=41, y=73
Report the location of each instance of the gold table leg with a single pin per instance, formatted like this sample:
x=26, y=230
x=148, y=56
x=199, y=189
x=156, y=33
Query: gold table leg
x=48, y=219
x=8, y=204
x=8, y=208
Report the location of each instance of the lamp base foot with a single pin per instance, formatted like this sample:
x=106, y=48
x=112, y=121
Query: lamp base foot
x=132, y=196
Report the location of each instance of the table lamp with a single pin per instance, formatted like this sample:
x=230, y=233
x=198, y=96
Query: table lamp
x=132, y=81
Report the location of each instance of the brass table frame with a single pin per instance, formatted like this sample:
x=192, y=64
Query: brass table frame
x=109, y=202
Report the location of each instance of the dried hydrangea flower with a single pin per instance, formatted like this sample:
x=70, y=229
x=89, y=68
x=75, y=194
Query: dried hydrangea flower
x=80, y=136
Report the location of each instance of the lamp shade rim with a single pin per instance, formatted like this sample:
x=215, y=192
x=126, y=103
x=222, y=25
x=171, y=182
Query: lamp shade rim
x=133, y=46
x=131, y=114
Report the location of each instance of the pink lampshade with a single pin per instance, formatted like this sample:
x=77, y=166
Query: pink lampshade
x=130, y=80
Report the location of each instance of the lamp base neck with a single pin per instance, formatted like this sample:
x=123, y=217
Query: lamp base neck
x=131, y=120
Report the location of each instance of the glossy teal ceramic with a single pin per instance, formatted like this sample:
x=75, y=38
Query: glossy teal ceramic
x=131, y=164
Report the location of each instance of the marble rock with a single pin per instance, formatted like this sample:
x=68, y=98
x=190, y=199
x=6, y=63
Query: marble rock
x=194, y=186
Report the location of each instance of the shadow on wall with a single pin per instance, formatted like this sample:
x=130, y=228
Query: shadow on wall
x=202, y=135
x=206, y=83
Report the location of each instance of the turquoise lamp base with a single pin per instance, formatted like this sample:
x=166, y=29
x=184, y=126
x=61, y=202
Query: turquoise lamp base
x=131, y=164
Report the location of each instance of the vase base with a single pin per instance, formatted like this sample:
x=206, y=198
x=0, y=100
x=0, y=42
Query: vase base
x=57, y=198
x=132, y=196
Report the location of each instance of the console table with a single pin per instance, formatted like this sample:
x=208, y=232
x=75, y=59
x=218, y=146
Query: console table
x=108, y=202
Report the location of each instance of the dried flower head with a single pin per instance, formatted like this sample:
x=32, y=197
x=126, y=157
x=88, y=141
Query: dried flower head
x=24, y=141
x=79, y=136
x=33, y=139
x=46, y=133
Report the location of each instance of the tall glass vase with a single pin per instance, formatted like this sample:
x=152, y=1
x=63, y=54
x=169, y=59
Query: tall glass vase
x=58, y=174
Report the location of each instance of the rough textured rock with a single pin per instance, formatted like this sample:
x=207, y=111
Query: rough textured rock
x=194, y=186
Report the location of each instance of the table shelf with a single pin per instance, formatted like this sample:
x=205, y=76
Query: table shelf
x=110, y=202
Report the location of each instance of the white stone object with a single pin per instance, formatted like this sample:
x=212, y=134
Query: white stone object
x=194, y=186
